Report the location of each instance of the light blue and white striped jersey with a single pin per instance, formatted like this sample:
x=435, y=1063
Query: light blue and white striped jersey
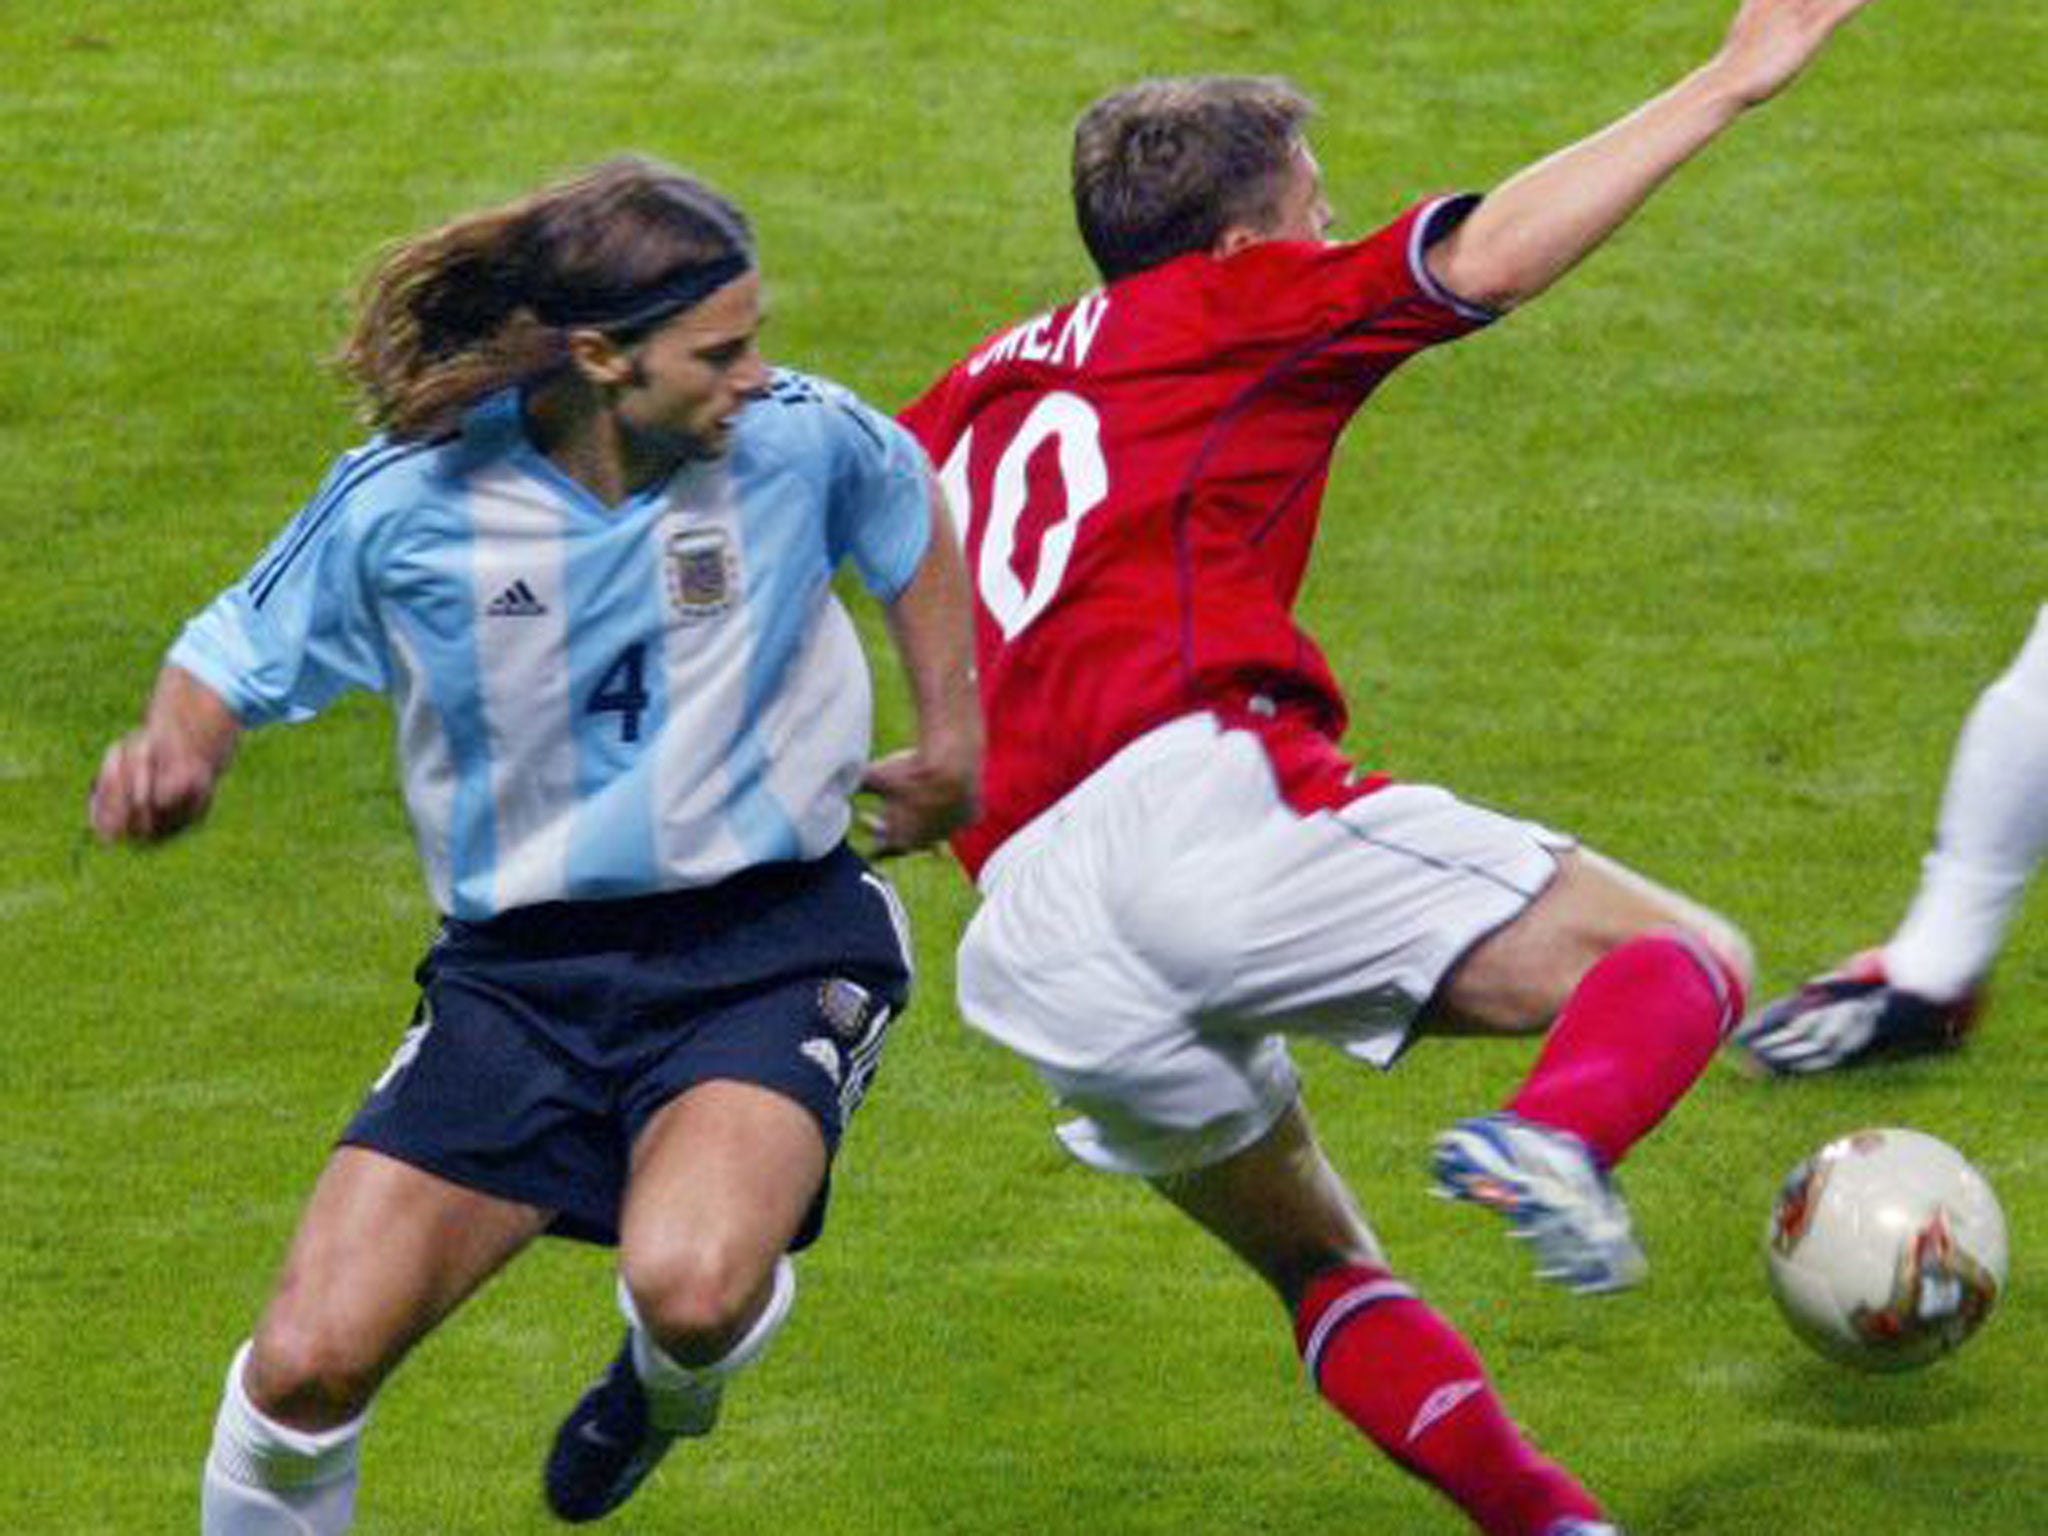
x=592, y=701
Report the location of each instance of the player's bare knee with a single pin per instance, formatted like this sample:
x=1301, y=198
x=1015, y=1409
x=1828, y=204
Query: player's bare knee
x=309, y=1375
x=1729, y=945
x=1602, y=905
x=695, y=1300
x=1715, y=941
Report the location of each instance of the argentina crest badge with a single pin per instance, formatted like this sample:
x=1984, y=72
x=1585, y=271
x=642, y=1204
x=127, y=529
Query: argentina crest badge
x=703, y=573
x=847, y=1006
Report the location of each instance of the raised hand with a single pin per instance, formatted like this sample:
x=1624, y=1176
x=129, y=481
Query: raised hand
x=1770, y=42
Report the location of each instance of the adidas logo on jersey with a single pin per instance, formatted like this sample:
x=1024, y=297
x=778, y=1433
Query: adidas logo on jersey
x=516, y=602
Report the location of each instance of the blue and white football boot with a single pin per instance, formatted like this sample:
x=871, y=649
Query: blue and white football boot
x=1553, y=1192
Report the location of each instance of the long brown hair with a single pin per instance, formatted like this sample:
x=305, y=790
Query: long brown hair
x=488, y=299
x=1163, y=167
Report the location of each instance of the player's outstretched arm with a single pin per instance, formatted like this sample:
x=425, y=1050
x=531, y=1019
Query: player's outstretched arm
x=159, y=779
x=1541, y=222
x=933, y=789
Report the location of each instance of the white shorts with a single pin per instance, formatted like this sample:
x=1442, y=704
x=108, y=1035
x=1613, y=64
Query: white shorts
x=1146, y=942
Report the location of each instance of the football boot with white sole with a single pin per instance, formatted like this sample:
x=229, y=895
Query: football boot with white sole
x=1553, y=1192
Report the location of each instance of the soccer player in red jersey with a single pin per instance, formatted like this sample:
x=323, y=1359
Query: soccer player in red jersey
x=1178, y=866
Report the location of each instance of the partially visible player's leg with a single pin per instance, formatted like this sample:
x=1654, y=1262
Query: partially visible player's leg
x=1397, y=1369
x=1641, y=982
x=722, y=1179
x=1644, y=985
x=383, y=1252
x=738, y=1093
x=1992, y=835
x=1140, y=955
x=1408, y=910
x=1521, y=977
x=1920, y=993
x=721, y=1182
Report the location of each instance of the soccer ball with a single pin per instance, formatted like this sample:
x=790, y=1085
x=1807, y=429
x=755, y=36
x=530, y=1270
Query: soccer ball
x=1886, y=1249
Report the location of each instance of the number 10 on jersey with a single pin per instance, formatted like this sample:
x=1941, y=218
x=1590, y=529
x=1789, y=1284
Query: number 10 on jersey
x=1071, y=425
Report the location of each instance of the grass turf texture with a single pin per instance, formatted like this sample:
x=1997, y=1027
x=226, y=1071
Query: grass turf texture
x=1702, y=557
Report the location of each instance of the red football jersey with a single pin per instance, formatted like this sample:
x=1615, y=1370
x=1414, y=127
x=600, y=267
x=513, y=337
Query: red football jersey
x=1139, y=476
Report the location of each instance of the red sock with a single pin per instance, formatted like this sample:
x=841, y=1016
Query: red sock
x=1407, y=1378
x=1633, y=1037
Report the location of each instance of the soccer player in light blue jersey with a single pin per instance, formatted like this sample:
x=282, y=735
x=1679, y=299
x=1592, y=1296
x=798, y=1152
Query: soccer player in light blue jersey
x=589, y=557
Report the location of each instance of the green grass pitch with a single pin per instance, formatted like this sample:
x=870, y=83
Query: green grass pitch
x=1702, y=557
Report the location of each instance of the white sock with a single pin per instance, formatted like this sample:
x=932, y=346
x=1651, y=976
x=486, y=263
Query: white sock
x=264, y=1478
x=684, y=1399
x=1992, y=834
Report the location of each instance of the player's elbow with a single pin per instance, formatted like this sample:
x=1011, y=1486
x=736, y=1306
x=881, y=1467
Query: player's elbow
x=1495, y=279
x=1492, y=266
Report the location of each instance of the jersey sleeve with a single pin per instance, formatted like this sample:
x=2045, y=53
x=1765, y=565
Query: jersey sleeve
x=300, y=629
x=881, y=495
x=1425, y=226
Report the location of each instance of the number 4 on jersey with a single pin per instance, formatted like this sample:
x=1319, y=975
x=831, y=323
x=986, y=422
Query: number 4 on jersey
x=1071, y=424
x=622, y=691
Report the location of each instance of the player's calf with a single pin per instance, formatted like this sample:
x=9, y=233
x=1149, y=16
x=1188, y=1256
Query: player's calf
x=1400, y=1372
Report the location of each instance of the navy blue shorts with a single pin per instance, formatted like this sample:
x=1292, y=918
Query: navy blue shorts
x=546, y=1039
